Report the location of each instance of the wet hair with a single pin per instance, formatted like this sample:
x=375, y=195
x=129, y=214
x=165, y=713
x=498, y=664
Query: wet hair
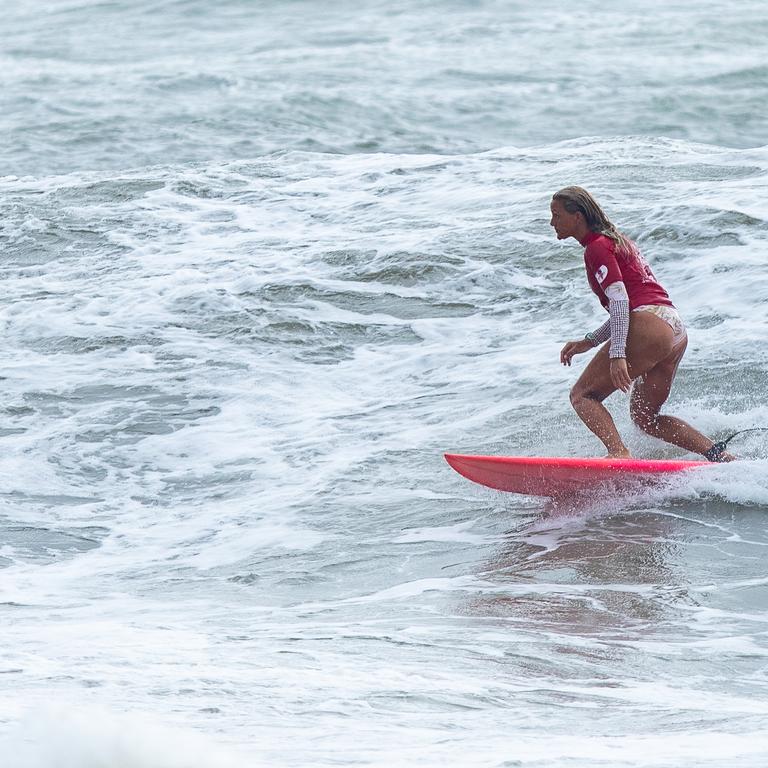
x=578, y=199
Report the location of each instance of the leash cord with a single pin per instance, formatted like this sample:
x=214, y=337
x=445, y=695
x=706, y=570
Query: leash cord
x=716, y=451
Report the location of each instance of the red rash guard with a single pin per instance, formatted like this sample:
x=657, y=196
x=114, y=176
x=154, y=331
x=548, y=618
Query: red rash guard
x=605, y=266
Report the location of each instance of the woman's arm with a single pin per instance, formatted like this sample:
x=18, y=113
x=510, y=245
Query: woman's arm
x=618, y=307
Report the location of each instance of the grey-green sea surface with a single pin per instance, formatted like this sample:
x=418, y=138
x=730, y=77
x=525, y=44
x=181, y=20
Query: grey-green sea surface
x=262, y=264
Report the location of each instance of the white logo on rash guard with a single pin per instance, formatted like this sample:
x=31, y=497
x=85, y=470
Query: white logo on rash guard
x=601, y=274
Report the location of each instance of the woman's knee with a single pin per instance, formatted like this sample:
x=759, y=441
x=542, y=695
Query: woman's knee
x=644, y=417
x=580, y=393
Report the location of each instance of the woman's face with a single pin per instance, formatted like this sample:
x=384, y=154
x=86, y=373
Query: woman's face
x=565, y=224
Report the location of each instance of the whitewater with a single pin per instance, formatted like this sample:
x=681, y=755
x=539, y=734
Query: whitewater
x=262, y=265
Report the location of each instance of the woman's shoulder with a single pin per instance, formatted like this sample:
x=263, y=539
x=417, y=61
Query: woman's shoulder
x=599, y=244
x=623, y=250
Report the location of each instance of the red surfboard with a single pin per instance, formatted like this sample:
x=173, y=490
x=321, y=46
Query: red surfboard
x=556, y=476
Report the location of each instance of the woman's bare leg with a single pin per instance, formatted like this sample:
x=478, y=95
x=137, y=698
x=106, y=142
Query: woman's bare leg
x=649, y=341
x=650, y=392
x=587, y=396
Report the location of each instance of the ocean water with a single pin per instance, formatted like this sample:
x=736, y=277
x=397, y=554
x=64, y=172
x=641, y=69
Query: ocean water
x=262, y=264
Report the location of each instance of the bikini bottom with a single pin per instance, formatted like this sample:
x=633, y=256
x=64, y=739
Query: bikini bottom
x=670, y=316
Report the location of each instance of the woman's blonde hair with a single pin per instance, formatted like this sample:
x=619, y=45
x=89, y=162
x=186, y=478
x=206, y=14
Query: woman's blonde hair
x=578, y=199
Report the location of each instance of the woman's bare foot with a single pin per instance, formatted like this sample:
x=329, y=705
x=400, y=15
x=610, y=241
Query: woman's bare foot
x=624, y=454
x=718, y=454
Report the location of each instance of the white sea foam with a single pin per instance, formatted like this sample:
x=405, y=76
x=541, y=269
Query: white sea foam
x=57, y=737
x=232, y=361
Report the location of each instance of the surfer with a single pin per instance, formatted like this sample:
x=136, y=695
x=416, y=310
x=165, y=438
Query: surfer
x=645, y=339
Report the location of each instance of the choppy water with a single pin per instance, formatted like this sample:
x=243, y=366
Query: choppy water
x=262, y=263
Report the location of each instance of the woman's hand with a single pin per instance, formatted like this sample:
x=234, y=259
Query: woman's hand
x=574, y=348
x=620, y=374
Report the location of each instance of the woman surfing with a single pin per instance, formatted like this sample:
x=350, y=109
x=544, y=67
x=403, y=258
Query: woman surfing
x=645, y=339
